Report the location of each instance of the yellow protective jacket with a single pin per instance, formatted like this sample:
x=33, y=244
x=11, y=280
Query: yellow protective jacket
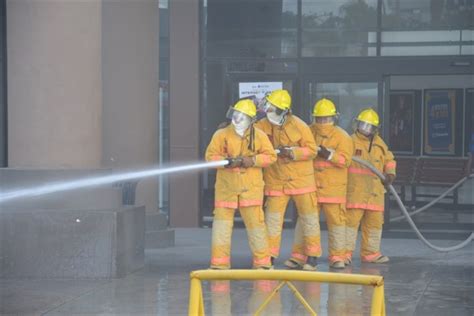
x=295, y=176
x=240, y=187
x=365, y=190
x=331, y=175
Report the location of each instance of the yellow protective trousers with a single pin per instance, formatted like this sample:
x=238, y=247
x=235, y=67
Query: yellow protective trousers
x=336, y=221
x=307, y=208
x=371, y=223
x=222, y=236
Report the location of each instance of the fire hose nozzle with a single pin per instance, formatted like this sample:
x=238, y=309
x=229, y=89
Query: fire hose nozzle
x=234, y=162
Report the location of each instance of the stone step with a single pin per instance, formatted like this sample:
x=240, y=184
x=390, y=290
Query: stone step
x=72, y=244
x=159, y=239
x=431, y=234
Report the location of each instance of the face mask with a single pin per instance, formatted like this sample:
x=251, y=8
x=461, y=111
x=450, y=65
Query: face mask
x=324, y=129
x=240, y=122
x=276, y=119
x=365, y=129
x=274, y=115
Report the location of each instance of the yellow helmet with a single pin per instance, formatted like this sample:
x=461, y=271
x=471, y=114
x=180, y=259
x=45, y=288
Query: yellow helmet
x=246, y=106
x=369, y=116
x=324, y=107
x=280, y=98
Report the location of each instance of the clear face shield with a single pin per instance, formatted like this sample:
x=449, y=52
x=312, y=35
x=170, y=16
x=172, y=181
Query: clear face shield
x=366, y=129
x=262, y=104
x=325, y=120
x=275, y=115
x=240, y=121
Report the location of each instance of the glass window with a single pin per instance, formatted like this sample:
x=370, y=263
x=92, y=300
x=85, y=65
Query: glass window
x=339, y=28
x=262, y=66
x=248, y=28
x=427, y=14
x=350, y=98
x=427, y=27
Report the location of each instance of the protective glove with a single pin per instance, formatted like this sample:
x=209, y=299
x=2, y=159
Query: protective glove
x=389, y=178
x=248, y=162
x=223, y=125
x=324, y=152
x=285, y=152
x=234, y=162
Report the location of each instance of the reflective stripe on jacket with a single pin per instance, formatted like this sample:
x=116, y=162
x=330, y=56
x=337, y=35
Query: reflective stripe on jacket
x=364, y=189
x=290, y=176
x=240, y=187
x=331, y=176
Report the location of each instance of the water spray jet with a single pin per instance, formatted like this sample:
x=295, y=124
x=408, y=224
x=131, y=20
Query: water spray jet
x=95, y=181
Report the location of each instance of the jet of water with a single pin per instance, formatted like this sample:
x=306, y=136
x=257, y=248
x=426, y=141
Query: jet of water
x=88, y=182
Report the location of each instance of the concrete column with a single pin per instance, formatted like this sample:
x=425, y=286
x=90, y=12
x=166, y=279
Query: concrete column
x=184, y=109
x=130, y=59
x=54, y=83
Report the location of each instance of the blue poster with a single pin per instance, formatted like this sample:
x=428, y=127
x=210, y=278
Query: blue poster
x=439, y=121
x=470, y=103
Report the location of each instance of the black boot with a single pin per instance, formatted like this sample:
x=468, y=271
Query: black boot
x=311, y=264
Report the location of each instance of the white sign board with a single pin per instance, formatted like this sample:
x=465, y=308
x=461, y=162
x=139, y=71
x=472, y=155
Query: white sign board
x=259, y=89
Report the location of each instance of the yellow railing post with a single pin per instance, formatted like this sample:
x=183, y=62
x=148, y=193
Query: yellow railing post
x=201, y=300
x=383, y=300
x=269, y=298
x=196, y=305
x=378, y=301
x=301, y=298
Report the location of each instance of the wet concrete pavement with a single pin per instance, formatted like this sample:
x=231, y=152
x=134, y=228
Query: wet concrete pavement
x=418, y=281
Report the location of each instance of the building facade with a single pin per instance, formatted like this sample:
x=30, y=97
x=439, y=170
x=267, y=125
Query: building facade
x=172, y=69
x=412, y=61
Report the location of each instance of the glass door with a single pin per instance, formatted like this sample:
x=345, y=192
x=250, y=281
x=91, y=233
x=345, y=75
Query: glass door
x=350, y=98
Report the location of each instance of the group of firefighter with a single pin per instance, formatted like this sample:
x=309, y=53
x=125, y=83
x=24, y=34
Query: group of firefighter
x=279, y=158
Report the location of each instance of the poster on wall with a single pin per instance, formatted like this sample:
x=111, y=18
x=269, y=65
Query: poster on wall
x=470, y=120
x=259, y=89
x=402, y=113
x=439, y=115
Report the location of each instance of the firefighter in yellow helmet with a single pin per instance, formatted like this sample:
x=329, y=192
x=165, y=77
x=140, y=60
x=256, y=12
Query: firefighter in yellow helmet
x=240, y=184
x=365, y=191
x=330, y=170
x=291, y=177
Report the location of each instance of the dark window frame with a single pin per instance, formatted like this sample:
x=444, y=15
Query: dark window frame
x=3, y=87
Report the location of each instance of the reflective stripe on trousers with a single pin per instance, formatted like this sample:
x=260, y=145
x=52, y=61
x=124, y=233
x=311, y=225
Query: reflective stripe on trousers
x=371, y=223
x=222, y=232
x=336, y=221
x=306, y=206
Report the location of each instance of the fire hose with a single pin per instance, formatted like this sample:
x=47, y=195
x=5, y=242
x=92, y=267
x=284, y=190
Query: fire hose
x=405, y=212
x=421, y=209
x=407, y=215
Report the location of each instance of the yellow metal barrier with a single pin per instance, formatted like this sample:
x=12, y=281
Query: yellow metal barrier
x=196, y=302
